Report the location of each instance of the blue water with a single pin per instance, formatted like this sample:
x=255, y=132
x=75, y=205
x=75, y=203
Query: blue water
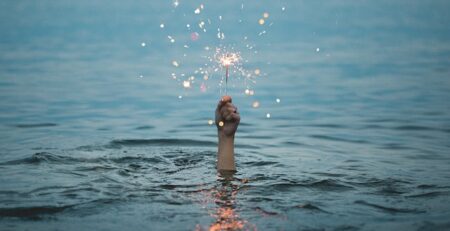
x=358, y=141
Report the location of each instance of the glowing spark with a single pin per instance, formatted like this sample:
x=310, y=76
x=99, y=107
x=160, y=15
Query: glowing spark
x=186, y=84
x=203, y=87
x=194, y=36
x=268, y=115
x=257, y=71
x=197, y=11
x=317, y=49
x=229, y=59
x=172, y=40
x=283, y=8
x=261, y=21
x=278, y=100
x=143, y=44
x=255, y=104
x=266, y=15
x=180, y=97
x=141, y=76
x=247, y=91
x=161, y=25
x=210, y=122
x=175, y=3
x=201, y=24
x=221, y=35
x=175, y=63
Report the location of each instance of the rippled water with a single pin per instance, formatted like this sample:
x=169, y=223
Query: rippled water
x=360, y=139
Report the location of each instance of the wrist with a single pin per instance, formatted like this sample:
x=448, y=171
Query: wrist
x=226, y=152
x=224, y=137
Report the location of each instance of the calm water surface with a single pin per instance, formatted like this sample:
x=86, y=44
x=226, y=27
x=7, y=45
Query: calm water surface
x=359, y=140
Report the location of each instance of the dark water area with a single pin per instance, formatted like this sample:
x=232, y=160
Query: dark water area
x=360, y=139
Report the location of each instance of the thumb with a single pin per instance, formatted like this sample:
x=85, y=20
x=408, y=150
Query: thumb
x=226, y=99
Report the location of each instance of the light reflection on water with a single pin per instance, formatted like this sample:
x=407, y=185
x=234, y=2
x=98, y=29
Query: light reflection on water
x=224, y=213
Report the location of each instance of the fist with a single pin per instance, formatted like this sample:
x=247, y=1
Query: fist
x=227, y=117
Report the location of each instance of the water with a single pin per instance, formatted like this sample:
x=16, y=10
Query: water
x=358, y=141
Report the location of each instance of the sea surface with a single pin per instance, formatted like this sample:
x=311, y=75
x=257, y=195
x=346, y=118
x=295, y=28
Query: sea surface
x=96, y=134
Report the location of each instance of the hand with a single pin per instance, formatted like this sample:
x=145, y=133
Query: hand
x=227, y=117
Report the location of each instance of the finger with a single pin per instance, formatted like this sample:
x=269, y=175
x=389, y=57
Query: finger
x=226, y=114
x=233, y=117
x=229, y=117
x=236, y=117
x=226, y=98
x=227, y=107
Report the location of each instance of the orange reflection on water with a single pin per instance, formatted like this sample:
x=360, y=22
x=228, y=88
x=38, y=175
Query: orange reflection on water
x=227, y=220
x=223, y=196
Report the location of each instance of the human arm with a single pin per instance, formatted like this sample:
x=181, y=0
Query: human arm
x=227, y=121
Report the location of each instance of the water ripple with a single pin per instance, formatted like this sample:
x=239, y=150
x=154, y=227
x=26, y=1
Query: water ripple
x=387, y=209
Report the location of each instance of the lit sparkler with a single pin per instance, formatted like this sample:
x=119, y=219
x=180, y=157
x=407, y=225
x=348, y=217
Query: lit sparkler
x=227, y=60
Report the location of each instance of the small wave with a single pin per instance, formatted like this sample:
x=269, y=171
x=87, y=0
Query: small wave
x=145, y=127
x=175, y=186
x=32, y=212
x=413, y=128
x=332, y=138
x=389, y=120
x=161, y=142
x=325, y=185
x=46, y=157
x=259, y=163
x=188, y=160
x=394, y=146
x=431, y=186
x=329, y=184
x=256, y=137
x=329, y=174
x=293, y=143
x=139, y=159
x=388, y=209
x=309, y=207
x=265, y=212
x=390, y=190
x=327, y=125
x=39, y=158
x=430, y=194
x=38, y=125
x=375, y=182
